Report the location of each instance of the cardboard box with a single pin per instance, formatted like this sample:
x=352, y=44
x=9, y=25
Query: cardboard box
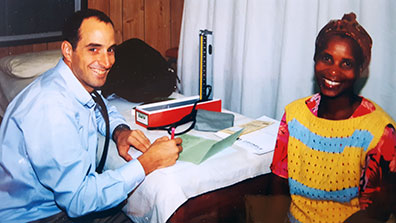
x=168, y=112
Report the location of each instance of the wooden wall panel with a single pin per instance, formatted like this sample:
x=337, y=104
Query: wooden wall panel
x=39, y=47
x=157, y=28
x=155, y=21
x=102, y=5
x=133, y=19
x=115, y=13
x=54, y=45
x=20, y=49
x=176, y=13
x=3, y=51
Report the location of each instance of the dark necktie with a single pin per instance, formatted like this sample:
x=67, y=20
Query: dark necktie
x=103, y=110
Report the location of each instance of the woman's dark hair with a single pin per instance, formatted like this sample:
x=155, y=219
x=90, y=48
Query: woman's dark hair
x=71, y=28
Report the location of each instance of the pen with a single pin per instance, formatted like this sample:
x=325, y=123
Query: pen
x=173, y=133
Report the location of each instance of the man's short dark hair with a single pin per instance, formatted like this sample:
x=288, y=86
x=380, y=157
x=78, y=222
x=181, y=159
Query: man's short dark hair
x=71, y=28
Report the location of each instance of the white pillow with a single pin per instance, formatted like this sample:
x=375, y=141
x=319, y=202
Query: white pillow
x=29, y=65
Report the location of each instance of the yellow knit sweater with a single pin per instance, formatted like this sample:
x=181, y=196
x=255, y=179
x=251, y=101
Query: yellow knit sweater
x=325, y=158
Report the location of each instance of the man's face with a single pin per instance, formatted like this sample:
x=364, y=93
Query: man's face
x=93, y=57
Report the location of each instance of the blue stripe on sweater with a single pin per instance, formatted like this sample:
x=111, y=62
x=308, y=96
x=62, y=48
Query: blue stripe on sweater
x=292, y=219
x=359, y=138
x=344, y=195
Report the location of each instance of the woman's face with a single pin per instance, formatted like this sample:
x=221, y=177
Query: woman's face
x=336, y=68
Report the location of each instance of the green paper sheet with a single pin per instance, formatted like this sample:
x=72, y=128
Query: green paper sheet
x=197, y=149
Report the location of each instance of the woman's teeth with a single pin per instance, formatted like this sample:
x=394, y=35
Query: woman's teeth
x=331, y=83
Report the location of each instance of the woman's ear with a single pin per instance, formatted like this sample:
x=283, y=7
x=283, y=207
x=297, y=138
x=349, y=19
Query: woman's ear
x=67, y=51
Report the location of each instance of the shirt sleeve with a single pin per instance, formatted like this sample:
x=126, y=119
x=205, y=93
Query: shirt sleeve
x=279, y=161
x=63, y=159
x=379, y=166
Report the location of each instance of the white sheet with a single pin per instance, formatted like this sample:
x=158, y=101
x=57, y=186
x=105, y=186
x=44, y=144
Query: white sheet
x=164, y=190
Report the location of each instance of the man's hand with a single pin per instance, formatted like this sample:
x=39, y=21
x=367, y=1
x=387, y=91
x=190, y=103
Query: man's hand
x=125, y=138
x=162, y=153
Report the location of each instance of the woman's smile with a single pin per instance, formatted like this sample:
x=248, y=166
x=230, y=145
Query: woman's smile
x=331, y=84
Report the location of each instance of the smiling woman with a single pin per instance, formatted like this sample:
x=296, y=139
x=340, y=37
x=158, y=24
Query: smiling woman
x=336, y=70
x=336, y=150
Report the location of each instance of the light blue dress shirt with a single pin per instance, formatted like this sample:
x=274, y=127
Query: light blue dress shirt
x=48, y=142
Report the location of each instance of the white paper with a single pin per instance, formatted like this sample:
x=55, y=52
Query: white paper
x=260, y=141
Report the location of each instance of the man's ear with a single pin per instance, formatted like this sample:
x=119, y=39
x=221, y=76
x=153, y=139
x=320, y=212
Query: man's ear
x=67, y=51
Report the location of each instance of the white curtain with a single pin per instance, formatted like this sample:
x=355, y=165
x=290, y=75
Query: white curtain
x=263, y=50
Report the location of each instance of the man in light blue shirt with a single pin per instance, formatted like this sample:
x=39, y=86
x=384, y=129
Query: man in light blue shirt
x=48, y=136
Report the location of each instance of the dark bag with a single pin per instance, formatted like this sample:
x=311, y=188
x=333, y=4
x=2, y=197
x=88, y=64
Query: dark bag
x=140, y=73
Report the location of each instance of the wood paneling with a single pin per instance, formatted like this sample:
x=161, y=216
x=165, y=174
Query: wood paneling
x=176, y=14
x=115, y=14
x=157, y=22
x=54, y=45
x=20, y=49
x=133, y=19
x=3, y=51
x=157, y=28
x=102, y=5
x=39, y=47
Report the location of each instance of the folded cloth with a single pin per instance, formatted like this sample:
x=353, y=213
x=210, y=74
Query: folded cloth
x=211, y=121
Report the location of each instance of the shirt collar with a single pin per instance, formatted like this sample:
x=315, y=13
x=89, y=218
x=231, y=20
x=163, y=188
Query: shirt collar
x=74, y=85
